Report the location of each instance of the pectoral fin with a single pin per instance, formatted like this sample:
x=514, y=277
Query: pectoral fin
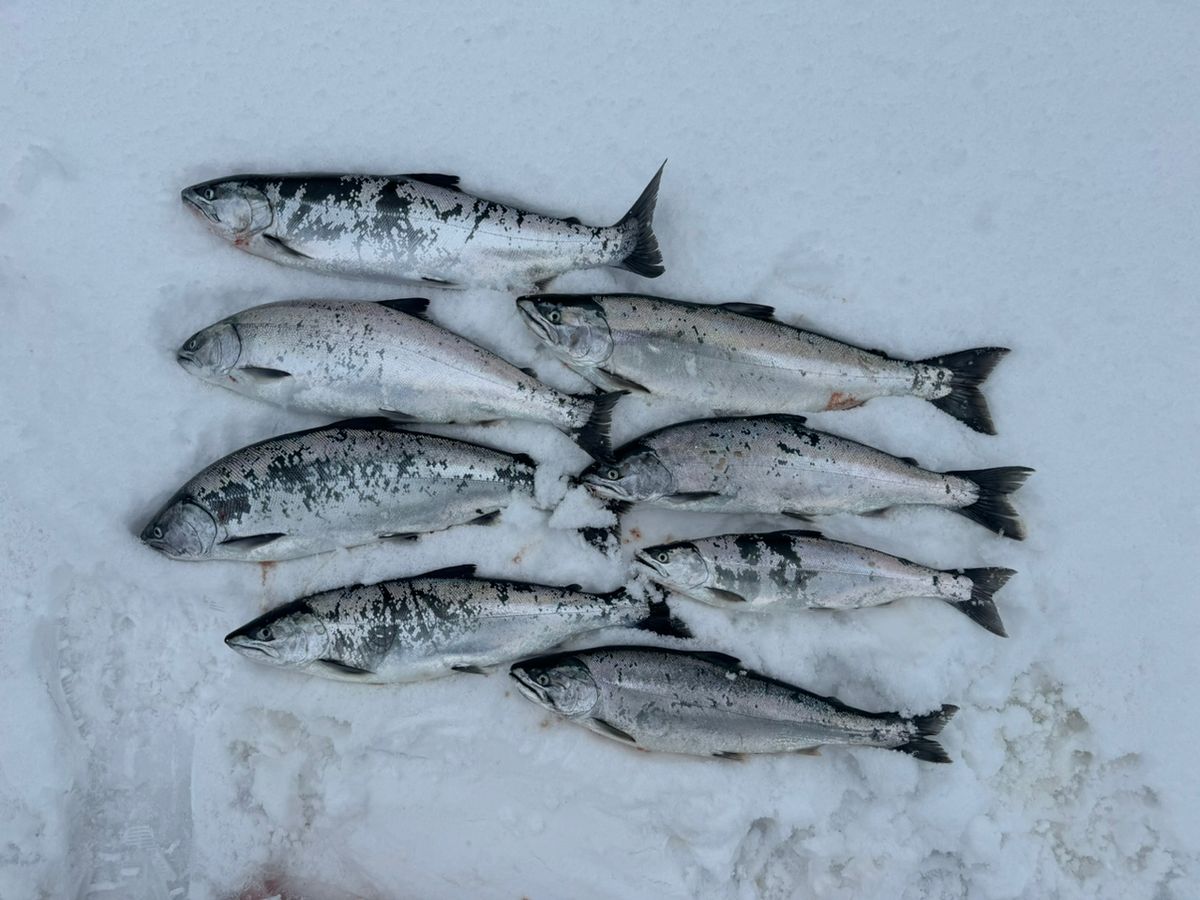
x=612, y=731
x=252, y=541
x=729, y=754
x=722, y=596
x=620, y=382
x=471, y=670
x=808, y=751
x=262, y=374
x=342, y=668
x=690, y=496
x=284, y=246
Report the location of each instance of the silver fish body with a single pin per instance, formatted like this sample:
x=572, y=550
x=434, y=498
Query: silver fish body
x=736, y=358
x=802, y=569
x=368, y=359
x=415, y=228
x=433, y=625
x=338, y=486
x=708, y=704
x=776, y=464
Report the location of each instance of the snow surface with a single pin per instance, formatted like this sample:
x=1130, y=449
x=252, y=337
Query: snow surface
x=921, y=178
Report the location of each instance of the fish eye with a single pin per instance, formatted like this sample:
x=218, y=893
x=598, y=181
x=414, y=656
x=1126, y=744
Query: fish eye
x=190, y=345
x=555, y=316
x=663, y=557
x=209, y=193
x=157, y=533
x=543, y=679
x=612, y=474
x=265, y=634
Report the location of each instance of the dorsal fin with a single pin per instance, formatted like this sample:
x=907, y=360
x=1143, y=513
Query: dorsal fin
x=528, y=370
x=802, y=532
x=572, y=220
x=524, y=459
x=753, y=310
x=909, y=460
x=413, y=306
x=724, y=660
x=466, y=571
x=434, y=178
x=363, y=423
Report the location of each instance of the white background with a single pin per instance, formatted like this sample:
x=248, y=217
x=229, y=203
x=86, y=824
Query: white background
x=918, y=178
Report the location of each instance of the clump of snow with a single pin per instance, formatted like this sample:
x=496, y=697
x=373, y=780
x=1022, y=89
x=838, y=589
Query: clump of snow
x=917, y=179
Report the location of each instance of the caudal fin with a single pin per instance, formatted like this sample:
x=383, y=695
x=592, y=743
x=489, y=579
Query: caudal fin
x=980, y=608
x=968, y=370
x=593, y=436
x=661, y=622
x=645, y=258
x=922, y=745
x=993, y=510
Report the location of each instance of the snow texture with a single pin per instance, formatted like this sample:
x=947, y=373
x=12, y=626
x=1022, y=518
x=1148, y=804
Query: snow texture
x=920, y=178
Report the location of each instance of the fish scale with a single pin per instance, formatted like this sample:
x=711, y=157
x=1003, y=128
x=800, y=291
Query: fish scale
x=370, y=359
x=776, y=464
x=736, y=357
x=415, y=227
x=803, y=570
x=434, y=624
x=708, y=704
x=338, y=486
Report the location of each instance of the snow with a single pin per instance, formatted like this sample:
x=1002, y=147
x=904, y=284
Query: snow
x=923, y=179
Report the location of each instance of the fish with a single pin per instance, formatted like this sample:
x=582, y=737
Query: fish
x=803, y=569
x=341, y=485
x=737, y=358
x=436, y=624
x=776, y=464
x=416, y=228
x=359, y=359
x=709, y=704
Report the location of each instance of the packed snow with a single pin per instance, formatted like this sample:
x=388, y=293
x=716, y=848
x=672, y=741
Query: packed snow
x=920, y=179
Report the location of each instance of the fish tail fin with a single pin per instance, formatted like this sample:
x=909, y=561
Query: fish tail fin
x=593, y=435
x=645, y=258
x=992, y=509
x=968, y=370
x=922, y=744
x=660, y=621
x=981, y=609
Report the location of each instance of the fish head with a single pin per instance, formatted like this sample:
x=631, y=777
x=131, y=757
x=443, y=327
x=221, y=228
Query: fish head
x=289, y=636
x=211, y=352
x=182, y=530
x=640, y=476
x=680, y=565
x=573, y=328
x=561, y=683
x=234, y=208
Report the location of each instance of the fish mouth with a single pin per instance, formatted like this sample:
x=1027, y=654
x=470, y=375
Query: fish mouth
x=527, y=307
x=601, y=488
x=200, y=207
x=247, y=646
x=644, y=559
x=529, y=689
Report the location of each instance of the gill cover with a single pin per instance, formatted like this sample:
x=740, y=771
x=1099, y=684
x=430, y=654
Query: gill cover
x=562, y=684
x=234, y=208
x=182, y=530
x=574, y=328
